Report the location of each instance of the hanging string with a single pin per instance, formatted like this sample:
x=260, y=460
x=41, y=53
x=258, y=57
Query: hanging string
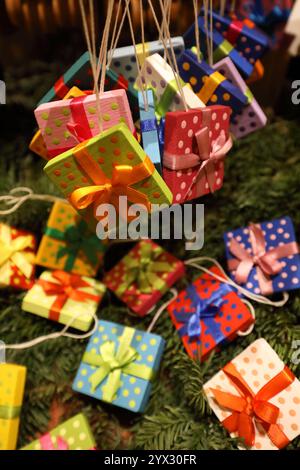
x=105, y=46
x=232, y=6
x=117, y=37
x=161, y=309
x=143, y=85
x=87, y=35
x=208, y=39
x=211, y=33
x=113, y=37
x=197, y=32
x=14, y=200
x=222, y=7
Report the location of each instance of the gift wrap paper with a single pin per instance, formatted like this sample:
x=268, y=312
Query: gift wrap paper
x=133, y=392
x=62, y=218
x=148, y=126
x=138, y=301
x=40, y=303
x=12, y=384
x=258, y=364
x=74, y=434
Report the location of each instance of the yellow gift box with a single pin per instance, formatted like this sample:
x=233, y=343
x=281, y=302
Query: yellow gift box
x=12, y=383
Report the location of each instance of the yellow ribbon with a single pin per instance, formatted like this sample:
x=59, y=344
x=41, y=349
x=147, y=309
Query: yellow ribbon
x=210, y=85
x=12, y=252
x=142, y=52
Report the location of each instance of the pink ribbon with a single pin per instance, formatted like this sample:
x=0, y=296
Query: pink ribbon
x=267, y=262
x=47, y=444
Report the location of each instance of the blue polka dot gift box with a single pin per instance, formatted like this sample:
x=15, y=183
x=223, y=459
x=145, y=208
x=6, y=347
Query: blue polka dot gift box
x=119, y=365
x=208, y=314
x=148, y=126
x=264, y=258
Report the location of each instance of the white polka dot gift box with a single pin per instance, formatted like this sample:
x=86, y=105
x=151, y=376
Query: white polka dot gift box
x=250, y=118
x=66, y=123
x=124, y=58
x=157, y=75
x=196, y=144
x=73, y=434
x=257, y=398
x=119, y=365
x=264, y=257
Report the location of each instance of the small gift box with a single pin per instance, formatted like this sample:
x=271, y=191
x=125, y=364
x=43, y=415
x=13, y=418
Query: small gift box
x=221, y=47
x=196, y=143
x=209, y=85
x=73, y=434
x=119, y=365
x=68, y=244
x=66, y=123
x=256, y=398
x=12, y=384
x=142, y=277
x=264, y=257
x=251, y=117
x=17, y=254
x=124, y=58
x=159, y=76
x=61, y=297
x=148, y=125
x=106, y=167
x=208, y=314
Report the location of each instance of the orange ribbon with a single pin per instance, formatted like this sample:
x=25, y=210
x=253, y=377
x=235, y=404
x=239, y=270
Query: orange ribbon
x=67, y=288
x=106, y=190
x=250, y=407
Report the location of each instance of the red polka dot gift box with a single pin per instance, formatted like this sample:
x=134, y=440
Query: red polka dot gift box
x=256, y=397
x=264, y=258
x=208, y=314
x=143, y=276
x=196, y=144
x=17, y=257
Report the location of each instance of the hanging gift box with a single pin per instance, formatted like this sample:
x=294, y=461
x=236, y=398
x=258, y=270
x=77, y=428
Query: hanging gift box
x=256, y=398
x=106, y=167
x=73, y=434
x=66, y=123
x=221, y=47
x=12, y=384
x=119, y=365
x=251, y=117
x=124, y=58
x=196, y=144
x=61, y=297
x=266, y=13
x=208, y=314
x=264, y=257
x=68, y=244
x=210, y=86
x=17, y=254
x=157, y=75
x=148, y=126
x=143, y=276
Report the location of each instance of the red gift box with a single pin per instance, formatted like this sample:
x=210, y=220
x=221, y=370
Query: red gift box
x=221, y=312
x=196, y=142
x=142, y=277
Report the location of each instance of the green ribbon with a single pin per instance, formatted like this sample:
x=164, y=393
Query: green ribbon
x=77, y=238
x=249, y=95
x=163, y=105
x=223, y=50
x=111, y=364
x=9, y=412
x=143, y=271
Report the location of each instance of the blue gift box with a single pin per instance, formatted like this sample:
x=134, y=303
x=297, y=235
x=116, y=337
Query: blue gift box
x=221, y=47
x=115, y=344
x=195, y=73
x=148, y=125
x=278, y=234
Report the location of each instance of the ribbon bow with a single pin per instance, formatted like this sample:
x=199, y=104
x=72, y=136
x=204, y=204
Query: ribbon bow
x=111, y=363
x=47, y=443
x=144, y=270
x=249, y=407
x=13, y=252
x=267, y=262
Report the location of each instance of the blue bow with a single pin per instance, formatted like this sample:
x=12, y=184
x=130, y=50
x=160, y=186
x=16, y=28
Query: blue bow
x=148, y=125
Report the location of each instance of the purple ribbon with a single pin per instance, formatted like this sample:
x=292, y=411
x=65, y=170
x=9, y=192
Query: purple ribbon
x=148, y=125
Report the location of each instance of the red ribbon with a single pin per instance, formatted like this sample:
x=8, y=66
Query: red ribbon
x=267, y=262
x=61, y=88
x=234, y=31
x=249, y=407
x=67, y=288
x=121, y=83
x=80, y=129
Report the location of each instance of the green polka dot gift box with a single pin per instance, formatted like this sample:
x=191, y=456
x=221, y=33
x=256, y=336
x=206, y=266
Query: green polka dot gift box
x=73, y=434
x=100, y=170
x=119, y=365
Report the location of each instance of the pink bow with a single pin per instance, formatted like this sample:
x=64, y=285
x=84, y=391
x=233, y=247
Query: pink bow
x=47, y=444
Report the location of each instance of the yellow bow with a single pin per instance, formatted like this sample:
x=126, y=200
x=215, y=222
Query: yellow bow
x=12, y=252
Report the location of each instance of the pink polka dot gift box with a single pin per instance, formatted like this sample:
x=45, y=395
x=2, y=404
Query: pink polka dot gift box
x=66, y=123
x=196, y=144
x=257, y=398
x=264, y=257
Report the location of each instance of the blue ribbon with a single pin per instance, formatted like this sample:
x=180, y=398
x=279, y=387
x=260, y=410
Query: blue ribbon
x=206, y=310
x=148, y=125
x=161, y=135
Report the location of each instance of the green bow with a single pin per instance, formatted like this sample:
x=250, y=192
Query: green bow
x=9, y=412
x=143, y=271
x=111, y=364
x=77, y=238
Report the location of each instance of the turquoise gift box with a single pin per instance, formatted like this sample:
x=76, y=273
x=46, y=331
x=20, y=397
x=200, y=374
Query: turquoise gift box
x=148, y=126
x=119, y=365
